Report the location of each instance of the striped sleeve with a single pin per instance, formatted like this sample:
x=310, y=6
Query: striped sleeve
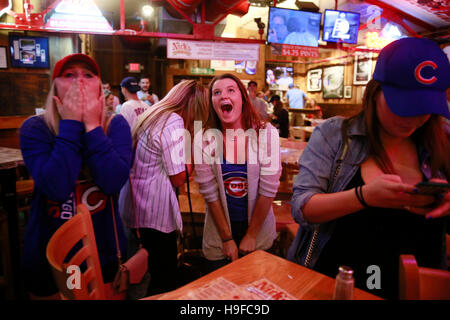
x=172, y=144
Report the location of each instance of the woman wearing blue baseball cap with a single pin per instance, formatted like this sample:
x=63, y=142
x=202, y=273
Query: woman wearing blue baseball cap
x=355, y=195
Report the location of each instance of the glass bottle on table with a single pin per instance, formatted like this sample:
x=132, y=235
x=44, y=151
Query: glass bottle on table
x=344, y=285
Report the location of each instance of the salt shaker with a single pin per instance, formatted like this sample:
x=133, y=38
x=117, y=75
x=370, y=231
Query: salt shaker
x=345, y=283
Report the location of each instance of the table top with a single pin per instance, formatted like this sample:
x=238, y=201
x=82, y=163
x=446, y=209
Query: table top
x=10, y=158
x=305, y=110
x=298, y=281
x=290, y=157
x=308, y=129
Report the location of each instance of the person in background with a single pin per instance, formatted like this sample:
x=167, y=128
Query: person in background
x=71, y=150
x=280, y=116
x=146, y=94
x=258, y=103
x=278, y=29
x=109, y=100
x=296, y=97
x=270, y=78
x=155, y=175
x=360, y=207
x=239, y=190
x=298, y=34
x=313, y=105
x=132, y=107
x=260, y=95
x=107, y=86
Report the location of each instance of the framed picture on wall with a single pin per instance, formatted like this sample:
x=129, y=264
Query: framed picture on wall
x=314, y=80
x=362, y=68
x=3, y=58
x=333, y=82
x=347, y=92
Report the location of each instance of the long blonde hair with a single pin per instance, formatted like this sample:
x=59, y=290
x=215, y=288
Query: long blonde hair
x=188, y=98
x=52, y=116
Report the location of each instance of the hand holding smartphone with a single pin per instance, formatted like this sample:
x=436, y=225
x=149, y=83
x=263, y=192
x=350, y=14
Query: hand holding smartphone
x=432, y=188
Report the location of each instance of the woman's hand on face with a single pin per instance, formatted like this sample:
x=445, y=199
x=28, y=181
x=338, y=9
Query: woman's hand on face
x=92, y=108
x=230, y=250
x=70, y=107
x=388, y=191
x=248, y=244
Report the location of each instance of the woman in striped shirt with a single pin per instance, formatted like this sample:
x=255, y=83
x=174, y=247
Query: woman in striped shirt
x=158, y=169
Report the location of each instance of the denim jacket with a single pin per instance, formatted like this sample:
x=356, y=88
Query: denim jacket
x=322, y=172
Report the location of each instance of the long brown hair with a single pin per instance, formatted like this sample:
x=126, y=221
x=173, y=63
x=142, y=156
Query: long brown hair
x=250, y=116
x=431, y=135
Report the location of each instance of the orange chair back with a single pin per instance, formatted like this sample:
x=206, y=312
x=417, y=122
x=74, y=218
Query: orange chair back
x=76, y=230
x=420, y=283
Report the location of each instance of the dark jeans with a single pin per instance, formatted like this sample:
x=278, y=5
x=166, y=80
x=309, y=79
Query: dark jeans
x=162, y=259
x=238, y=230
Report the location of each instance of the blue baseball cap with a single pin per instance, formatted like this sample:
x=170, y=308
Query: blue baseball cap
x=414, y=75
x=131, y=84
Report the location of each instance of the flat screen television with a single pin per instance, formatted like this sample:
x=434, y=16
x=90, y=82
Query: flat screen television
x=279, y=77
x=29, y=52
x=340, y=26
x=295, y=27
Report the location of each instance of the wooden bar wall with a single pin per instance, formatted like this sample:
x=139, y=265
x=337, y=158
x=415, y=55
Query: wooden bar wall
x=24, y=89
x=330, y=107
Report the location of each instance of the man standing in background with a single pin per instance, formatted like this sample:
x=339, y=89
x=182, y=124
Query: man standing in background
x=296, y=97
x=258, y=103
x=133, y=107
x=146, y=94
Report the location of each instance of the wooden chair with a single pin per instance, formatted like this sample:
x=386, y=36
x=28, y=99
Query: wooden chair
x=420, y=283
x=76, y=230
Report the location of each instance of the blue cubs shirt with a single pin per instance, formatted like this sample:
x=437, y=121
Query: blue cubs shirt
x=236, y=190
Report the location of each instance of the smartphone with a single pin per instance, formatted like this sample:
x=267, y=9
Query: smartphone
x=433, y=188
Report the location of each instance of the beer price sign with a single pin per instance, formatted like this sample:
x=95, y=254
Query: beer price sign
x=294, y=51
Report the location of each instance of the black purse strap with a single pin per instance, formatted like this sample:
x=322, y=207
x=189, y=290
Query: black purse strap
x=190, y=203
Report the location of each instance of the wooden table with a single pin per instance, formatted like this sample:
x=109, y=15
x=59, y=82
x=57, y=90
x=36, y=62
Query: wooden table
x=290, y=157
x=303, y=132
x=302, y=283
x=10, y=159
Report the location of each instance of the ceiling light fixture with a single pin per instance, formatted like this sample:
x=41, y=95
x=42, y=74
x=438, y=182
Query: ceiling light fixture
x=147, y=10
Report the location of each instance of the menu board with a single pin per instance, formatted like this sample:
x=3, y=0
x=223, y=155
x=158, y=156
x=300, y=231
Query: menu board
x=29, y=52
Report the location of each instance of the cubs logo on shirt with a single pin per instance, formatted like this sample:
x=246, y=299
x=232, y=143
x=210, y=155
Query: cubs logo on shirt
x=86, y=193
x=236, y=187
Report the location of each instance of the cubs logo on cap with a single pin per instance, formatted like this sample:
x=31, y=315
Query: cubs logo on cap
x=414, y=74
x=418, y=72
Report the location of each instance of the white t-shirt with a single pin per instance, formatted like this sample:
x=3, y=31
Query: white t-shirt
x=154, y=195
x=131, y=109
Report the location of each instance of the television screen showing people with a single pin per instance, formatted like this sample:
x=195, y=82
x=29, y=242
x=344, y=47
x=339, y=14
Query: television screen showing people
x=29, y=52
x=278, y=77
x=340, y=26
x=293, y=27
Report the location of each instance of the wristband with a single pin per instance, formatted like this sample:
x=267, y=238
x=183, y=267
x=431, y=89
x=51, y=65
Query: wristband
x=360, y=197
x=226, y=240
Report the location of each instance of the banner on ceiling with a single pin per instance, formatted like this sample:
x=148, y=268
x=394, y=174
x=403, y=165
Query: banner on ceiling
x=209, y=50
